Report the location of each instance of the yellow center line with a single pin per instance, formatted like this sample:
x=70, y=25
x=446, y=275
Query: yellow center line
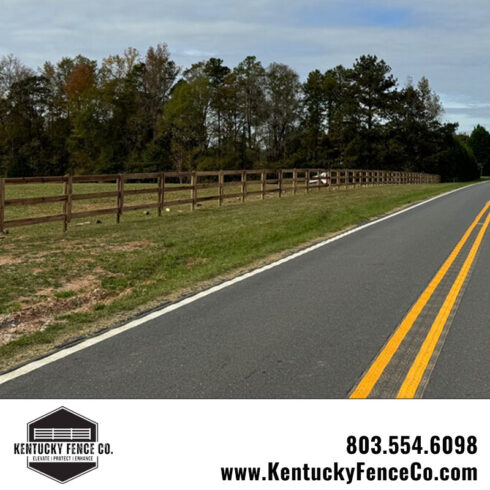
x=363, y=389
x=417, y=370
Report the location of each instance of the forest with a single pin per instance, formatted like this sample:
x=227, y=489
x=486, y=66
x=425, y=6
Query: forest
x=138, y=112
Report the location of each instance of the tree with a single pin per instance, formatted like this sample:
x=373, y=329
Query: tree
x=79, y=81
x=250, y=94
x=118, y=68
x=340, y=110
x=373, y=94
x=430, y=103
x=373, y=85
x=217, y=74
x=314, y=124
x=157, y=77
x=134, y=114
x=185, y=116
x=12, y=70
x=25, y=145
x=282, y=98
x=479, y=142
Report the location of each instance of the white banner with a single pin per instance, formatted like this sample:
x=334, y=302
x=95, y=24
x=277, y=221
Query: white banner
x=264, y=444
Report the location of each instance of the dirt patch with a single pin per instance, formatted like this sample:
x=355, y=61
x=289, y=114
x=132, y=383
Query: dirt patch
x=37, y=317
x=10, y=260
x=131, y=246
x=40, y=255
x=192, y=262
x=83, y=283
x=7, y=246
x=110, y=299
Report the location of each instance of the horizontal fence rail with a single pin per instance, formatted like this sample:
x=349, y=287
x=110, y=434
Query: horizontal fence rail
x=164, y=186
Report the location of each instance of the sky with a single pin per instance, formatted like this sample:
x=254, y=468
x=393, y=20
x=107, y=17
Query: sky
x=448, y=41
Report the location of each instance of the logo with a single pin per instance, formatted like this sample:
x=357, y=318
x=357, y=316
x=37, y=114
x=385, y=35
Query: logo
x=62, y=445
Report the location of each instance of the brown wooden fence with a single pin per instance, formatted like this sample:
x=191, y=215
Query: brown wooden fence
x=249, y=182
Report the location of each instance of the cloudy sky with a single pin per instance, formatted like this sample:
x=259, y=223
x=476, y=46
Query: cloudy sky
x=446, y=40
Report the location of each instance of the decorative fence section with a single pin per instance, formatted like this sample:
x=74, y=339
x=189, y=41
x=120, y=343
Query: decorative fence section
x=169, y=188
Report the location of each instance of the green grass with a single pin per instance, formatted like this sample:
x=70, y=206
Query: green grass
x=64, y=294
x=97, y=275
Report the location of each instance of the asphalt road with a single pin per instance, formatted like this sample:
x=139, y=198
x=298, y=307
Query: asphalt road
x=308, y=328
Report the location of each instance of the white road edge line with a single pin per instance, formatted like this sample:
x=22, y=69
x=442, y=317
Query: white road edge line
x=175, y=306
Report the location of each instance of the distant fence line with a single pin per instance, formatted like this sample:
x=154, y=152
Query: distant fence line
x=278, y=181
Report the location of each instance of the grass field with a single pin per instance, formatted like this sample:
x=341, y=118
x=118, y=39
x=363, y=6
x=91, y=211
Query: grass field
x=55, y=288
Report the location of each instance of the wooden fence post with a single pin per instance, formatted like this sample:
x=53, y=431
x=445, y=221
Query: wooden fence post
x=307, y=178
x=279, y=180
x=120, y=197
x=221, y=181
x=68, y=191
x=193, y=190
x=2, y=205
x=263, y=176
x=161, y=192
x=243, y=180
x=295, y=179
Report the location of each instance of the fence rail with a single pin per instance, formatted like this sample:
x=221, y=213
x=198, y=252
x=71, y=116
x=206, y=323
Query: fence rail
x=265, y=181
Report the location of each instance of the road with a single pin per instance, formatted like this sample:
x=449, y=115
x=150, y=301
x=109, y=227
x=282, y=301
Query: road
x=394, y=309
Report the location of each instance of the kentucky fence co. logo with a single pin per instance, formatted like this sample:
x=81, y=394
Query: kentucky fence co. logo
x=62, y=445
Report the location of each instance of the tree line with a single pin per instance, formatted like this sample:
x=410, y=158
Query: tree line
x=143, y=113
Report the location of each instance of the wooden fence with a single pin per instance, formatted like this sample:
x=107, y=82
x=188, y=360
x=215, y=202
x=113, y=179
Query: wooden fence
x=263, y=182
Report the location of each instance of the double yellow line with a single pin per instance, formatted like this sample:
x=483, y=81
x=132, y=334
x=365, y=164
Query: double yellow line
x=416, y=372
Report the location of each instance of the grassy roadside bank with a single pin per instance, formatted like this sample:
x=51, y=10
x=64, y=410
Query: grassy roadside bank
x=56, y=288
